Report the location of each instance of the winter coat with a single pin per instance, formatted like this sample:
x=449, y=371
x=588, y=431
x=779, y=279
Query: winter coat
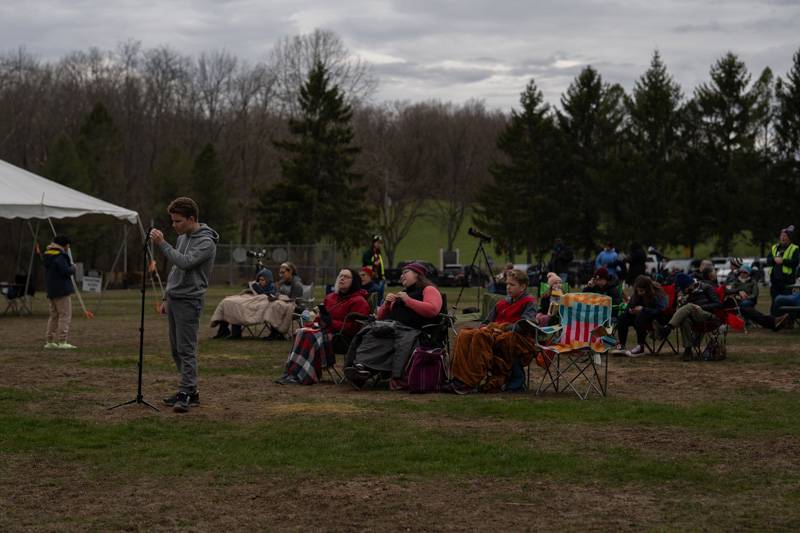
x=611, y=289
x=705, y=296
x=508, y=311
x=293, y=289
x=58, y=272
x=340, y=306
x=749, y=287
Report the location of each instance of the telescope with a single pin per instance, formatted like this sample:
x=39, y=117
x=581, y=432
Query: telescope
x=479, y=235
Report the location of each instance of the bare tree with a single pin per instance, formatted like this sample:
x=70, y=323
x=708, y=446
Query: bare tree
x=293, y=57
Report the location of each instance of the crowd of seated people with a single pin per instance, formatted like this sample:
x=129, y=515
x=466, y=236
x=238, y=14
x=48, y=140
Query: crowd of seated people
x=491, y=357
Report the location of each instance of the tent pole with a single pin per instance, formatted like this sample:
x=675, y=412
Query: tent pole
x=30, y=266
x=19, y=248
x=125, y=249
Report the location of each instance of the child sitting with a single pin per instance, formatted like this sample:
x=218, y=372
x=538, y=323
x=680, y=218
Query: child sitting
x=487, y=354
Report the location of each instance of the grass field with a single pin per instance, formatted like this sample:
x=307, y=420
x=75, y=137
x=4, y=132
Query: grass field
x=675, y=446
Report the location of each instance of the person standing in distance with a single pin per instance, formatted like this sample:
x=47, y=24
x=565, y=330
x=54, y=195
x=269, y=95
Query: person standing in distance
x=373, y=258
x=192, y=259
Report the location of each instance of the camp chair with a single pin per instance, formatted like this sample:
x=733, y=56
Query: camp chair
x=576, y=351
x=341, y=343
x=793, y=310
x=435, y=335
x=710, y=331
x=304, y=302
x=651, y=343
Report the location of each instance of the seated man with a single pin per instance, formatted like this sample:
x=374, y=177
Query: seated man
x=257, y=304
x=487, y=355
x=697, y=301
x=745, y=291
x=603, y=283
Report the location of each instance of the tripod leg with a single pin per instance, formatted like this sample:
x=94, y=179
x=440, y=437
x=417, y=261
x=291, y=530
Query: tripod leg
x=135, y=400
x=471, y=266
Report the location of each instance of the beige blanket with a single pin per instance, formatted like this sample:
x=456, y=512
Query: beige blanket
x=249, y=309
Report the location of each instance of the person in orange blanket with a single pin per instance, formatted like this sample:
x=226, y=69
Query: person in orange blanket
x=487, y=357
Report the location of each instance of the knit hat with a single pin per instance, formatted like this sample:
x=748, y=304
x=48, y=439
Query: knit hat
x=601, y=273
x=266, y=274
x=684, y=281
x=736, y=262
x=367, y=270
x=552, y=278
x=746, y=268
x=417, y=268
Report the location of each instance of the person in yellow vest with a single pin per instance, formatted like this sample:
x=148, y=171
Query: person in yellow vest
x=783, y=258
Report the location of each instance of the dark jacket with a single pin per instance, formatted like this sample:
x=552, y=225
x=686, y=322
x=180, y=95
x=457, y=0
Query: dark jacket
x=258, y=289
x=561, y=258
x=637, y=260
x=704, y=295
x=58, y=272
x=653, y=309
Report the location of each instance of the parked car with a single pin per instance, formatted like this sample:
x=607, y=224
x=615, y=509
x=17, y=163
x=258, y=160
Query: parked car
x=462, y=276
x=679, y=265
x=392, y=275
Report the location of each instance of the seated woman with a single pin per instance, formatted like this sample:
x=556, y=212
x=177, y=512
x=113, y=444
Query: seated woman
x=603, y=283
x=485, y=356
x=289, y=283
x=385, y=345
x=274, y=310
x=313, y=349
x=646, y=305
x=263, y=285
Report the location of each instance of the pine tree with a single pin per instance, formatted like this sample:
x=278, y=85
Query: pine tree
x=319, y=195
x=64, y=166
x=522, y=178
x=590, y=121
x=210, y=191
x=651, y=171
x=99, y=148
x=728, y=124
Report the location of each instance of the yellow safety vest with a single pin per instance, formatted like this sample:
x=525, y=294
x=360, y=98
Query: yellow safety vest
x=787, y=254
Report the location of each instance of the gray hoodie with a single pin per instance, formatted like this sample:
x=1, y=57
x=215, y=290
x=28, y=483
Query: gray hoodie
x=192, y=259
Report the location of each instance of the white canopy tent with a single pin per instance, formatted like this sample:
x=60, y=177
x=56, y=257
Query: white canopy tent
x=26, y=196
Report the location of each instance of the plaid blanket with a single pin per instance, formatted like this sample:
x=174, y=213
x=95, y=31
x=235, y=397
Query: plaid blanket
x=312, y=351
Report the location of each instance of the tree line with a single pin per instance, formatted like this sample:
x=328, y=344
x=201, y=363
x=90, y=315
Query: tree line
x=295, y=149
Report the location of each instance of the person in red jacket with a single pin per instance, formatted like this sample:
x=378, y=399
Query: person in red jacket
x=313, y=348
x=484, y=356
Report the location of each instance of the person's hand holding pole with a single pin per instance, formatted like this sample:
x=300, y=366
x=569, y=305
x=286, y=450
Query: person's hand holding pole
x=156, y=236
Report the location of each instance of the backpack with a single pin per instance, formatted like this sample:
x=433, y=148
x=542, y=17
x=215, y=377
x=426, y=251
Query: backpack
x=714, y=351
x=426, y=372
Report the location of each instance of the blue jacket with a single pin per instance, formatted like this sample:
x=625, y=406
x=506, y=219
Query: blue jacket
x=606, y=258
x=58, y=270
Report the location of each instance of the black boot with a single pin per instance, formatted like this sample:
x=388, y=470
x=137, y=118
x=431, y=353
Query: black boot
x=236, y=332
x=223, y=331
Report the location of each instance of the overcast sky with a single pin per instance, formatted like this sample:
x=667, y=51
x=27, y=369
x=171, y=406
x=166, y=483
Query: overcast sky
x=451, y=50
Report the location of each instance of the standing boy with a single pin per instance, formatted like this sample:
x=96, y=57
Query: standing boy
x=58, y=282
x=192, y=259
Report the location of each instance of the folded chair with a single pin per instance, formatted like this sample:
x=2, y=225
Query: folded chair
x=574, y=354
x=651, y=343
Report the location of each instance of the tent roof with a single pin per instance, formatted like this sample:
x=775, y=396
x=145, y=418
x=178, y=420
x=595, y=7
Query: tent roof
x=26, y=195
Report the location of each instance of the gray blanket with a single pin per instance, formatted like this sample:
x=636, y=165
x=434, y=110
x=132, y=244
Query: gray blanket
x=384, y=345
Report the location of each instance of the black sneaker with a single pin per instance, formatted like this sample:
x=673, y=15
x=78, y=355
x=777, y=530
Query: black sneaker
x=181, y=403
x=194, y=399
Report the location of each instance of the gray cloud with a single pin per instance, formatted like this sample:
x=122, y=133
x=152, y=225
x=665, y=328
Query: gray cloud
x=447, y=49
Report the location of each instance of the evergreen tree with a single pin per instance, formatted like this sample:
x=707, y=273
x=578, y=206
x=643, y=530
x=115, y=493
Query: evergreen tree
x=590, y=123
x=728, y=124
x=100, y=151
x=524, y=177
x=64, y=166
x=651, y=173
x=319, y=195
x=210, y=191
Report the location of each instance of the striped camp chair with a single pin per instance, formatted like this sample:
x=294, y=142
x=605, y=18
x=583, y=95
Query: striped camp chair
x=574, y=354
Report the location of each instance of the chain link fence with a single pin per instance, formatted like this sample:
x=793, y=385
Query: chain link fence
x=237, y=264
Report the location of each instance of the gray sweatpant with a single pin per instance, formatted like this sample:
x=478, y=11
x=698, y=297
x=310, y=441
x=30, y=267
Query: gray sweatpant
x=184, y=324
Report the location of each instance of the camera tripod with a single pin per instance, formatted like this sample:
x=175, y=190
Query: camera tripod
x=481, y=250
